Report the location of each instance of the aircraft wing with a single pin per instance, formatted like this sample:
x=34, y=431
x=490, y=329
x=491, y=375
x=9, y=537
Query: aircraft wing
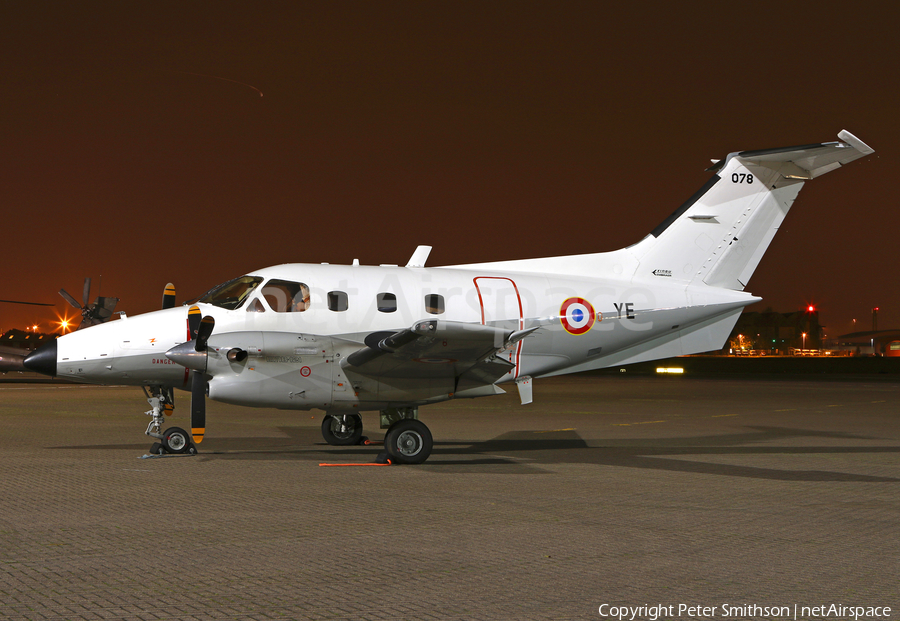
x=436, y=350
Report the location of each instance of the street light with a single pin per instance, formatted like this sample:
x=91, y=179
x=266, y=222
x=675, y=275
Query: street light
x=804, y=342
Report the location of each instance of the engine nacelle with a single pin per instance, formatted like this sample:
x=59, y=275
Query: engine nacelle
x=280, y=370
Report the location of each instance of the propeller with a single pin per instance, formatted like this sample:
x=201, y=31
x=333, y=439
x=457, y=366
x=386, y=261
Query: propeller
x=199, y=383
x=91, y=314
x=195, y=356
x=169, y=296
x=193, y=321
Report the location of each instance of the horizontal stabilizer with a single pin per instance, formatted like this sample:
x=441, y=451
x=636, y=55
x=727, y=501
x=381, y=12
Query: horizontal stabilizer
x=811, y=161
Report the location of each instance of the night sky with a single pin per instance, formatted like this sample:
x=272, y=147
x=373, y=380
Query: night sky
x=136, y=144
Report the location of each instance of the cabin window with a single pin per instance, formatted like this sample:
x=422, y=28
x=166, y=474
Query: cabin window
x=434, y=304
x=286, y=296
x=232, y=294
x=337, y=301
x=387, y=302
x=256, y=307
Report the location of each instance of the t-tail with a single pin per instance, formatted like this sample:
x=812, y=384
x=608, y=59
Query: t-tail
x=720, y=234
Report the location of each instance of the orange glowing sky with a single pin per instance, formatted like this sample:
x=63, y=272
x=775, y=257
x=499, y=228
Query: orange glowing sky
x=138, y=146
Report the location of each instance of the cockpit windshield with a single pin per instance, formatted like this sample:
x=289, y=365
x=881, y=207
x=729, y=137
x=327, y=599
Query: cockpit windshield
x=232, y=294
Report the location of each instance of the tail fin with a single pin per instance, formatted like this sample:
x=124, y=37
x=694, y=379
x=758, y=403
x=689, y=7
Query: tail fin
x=720, y=234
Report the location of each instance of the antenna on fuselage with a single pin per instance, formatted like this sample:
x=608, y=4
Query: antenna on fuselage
x=419, y=257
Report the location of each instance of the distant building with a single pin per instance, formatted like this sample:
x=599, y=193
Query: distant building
x=19, y=339
x=771, y=333
x=868, y=343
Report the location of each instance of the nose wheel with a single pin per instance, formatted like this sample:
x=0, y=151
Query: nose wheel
x=174, y=440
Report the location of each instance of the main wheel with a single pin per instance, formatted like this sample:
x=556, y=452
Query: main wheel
x=408, y=441
x=342, y=429
x=176, y=440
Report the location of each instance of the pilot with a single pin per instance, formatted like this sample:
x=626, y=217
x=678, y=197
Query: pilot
x=301, y=301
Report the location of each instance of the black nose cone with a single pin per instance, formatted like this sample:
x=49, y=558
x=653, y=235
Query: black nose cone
x=42, y=359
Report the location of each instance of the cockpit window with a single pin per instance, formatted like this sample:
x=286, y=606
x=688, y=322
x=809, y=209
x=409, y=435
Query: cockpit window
x=286, y=296
x=231, y=294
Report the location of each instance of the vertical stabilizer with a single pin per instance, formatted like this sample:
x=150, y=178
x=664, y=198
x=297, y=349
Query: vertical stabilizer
x=720, y=234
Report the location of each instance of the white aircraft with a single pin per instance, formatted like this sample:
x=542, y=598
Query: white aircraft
x=353, y=338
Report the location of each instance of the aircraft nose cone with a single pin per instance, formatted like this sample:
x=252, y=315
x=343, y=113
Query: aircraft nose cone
x=42, y=359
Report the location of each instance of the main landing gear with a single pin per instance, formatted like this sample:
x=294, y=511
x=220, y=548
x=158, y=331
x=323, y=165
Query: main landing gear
x=407, y=441
x=342, y=429
x=173, y=440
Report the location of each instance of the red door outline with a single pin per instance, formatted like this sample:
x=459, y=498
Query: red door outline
x=518, y=351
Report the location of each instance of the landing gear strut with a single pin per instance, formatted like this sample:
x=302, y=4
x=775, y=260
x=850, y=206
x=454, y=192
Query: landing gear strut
x=174, y=439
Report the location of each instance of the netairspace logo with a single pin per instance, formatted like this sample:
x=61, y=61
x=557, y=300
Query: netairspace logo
x=742, y=611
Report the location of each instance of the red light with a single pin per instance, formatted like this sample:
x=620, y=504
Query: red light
x=811, y=308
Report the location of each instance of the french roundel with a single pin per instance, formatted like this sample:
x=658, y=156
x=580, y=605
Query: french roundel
x=576, y=315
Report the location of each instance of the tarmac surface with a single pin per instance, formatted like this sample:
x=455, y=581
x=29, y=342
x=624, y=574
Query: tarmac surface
x=616, y=490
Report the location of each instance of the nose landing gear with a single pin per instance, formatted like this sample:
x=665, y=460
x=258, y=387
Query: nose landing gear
x=174, y=440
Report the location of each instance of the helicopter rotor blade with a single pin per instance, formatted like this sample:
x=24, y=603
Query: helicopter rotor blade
x=71, y=300
x=87, y=291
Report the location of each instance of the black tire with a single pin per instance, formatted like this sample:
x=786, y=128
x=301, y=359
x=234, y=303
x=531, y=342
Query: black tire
x=177, y=441
x=408, y=441
x=342, y=429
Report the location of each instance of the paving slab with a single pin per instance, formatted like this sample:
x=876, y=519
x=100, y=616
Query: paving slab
x=615, y=490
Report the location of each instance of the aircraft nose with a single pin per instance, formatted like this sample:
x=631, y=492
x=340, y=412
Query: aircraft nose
x=42, y=359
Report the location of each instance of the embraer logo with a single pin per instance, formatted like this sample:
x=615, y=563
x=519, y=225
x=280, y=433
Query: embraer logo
x=662, y=273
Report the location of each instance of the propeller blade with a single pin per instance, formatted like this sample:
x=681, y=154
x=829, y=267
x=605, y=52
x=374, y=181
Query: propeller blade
x=169, y=296
x=87, y=291
x=206, y=327
x=198, y=405
x=193, y=320
x=70, y=299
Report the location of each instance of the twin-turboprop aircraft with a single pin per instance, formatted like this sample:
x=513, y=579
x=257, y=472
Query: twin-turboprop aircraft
x=348, y=339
